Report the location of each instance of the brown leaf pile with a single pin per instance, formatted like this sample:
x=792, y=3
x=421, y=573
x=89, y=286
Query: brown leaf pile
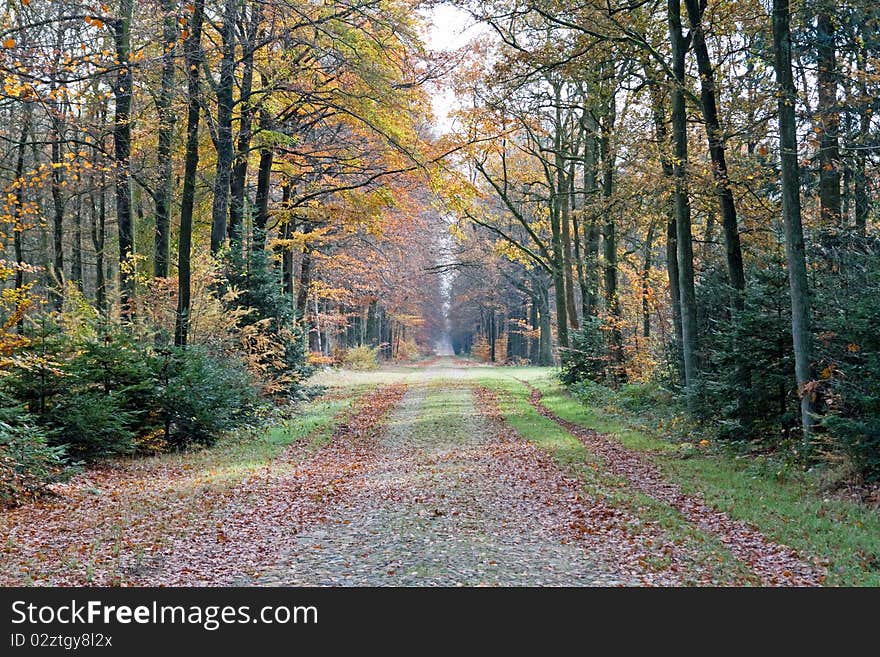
x=775, y=564
x=265, y=512
x=158, y=521
x=636, y=549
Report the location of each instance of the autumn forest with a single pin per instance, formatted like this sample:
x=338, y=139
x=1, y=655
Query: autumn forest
x=389, y=292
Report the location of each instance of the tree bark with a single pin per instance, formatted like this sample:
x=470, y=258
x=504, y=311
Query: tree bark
x=56, y=284
x=791, y=210
x=684, y=236
x=192, y=51
x=658, y=112
x=264, y=178
x=724, y=193
x=860, y=176
x=609, y=243
x=827, y=119
x=245, y=131
x=545, y=349
x=122, y=93
x=76, y=266
x=167, y=122
x=18, y=227
x=287, y=252
x=590, y=294
x=646, y=280
x=225, y=152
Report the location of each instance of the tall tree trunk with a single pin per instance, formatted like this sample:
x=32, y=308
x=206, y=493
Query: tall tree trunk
x=576, y=236
x=99, y=231
x=56, y=284
x=192, y=52
x=167, y=121
x=646, y=280
x=18, y=227
x=590, y=294
x=76, y=267
x=726, y=205
x=563, y=203
x=308, y=323
x=658, y=113
x=684, y=236
x=791, y=210
x=545, y=349
x=860, y=176
x=264, y=178
x=245, y=131
x=122, y=93
x=827, y=119
x=565, y=218
x=374, y=325
x=609, y=242
x=287, y=252
x=225, y=152
x=533, y=324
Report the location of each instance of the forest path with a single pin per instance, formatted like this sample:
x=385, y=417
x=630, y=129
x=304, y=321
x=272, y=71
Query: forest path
x=441, y=505
x=436, y=474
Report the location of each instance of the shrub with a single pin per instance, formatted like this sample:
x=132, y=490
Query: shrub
x=766, y=405
x=27, y=461
x=91, y=424
x=361, y=358
x=198, y=396
x=407, y=350
x=848, y=368
x=587, y=358
x=481, y=349
x=270, y=334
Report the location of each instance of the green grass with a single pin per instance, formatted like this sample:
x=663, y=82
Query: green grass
x=238, y=454
x=705, y=551
x=792, y=510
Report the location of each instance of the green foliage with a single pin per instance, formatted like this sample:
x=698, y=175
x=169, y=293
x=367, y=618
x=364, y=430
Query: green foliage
x=361, y=358
x=91, y=423
x=196, y=396
x=762, y=401
x=27, y=461
x=104, y=392
x=269, y=311
x=587, y=357
x=848, y=359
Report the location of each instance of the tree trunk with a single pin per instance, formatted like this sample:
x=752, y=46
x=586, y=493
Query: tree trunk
x=646, y=281
x=192, y=51
x=56, y=284
x=609, y=243
x=18, y=227
x=264, y=178
x=122, y=93
x=164, y=161
x=726, y=205
x=827, y=120
x=684, y=237
x=374, y=328
x=545, y=348
x=661, y=132
x=287, y=252
x=99, y=236
x=860, y=176
x=590, y=294
x=76, y=267
x=245, y=132
x=225, y=153
x=563, y=205
x=791, y=210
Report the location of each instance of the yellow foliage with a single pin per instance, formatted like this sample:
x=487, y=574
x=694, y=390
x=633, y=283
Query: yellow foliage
x=480, y=349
